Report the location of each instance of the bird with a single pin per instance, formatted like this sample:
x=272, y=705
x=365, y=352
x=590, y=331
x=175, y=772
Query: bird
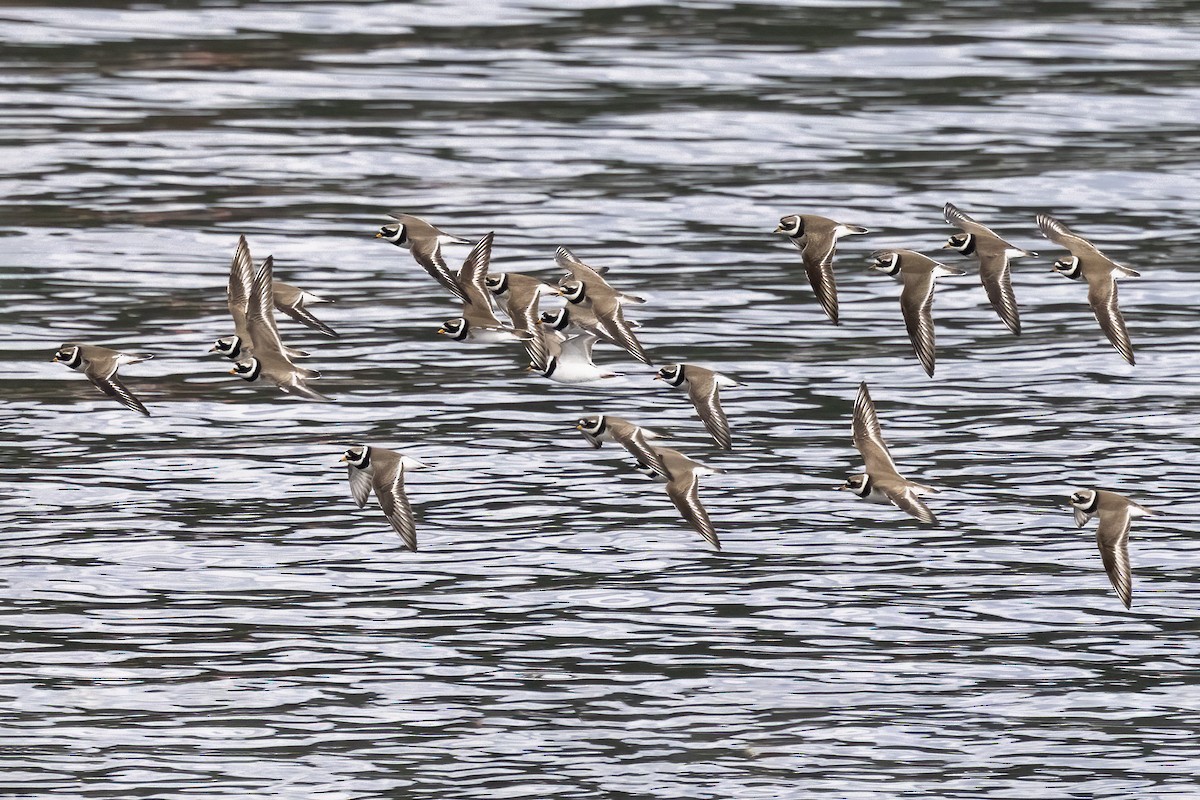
x=425, y=242
x=100, y=365
x=881, y=482
x=521, y=294
x=238, y=291
x=994, y=256
x=587, y=289
x=1116, y=514
x=917, y=274
x=607, y=428
x=381, y=470
x=294, y=302
x=269, y=360
x=568, y=359
x=682, y=475
x=702, y=387
x=1100, y=272
x=478, y=323
x=816, y=239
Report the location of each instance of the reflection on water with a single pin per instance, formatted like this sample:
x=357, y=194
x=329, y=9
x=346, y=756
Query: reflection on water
x=194, y=606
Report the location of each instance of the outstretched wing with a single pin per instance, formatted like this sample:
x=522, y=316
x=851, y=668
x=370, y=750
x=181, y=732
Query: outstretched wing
x=1102, y=297
x=304, y=317
x=868, y=436
x=260, y=315
x=111, y=385
x=996, y=276
x=686, y=497
x=360, y=484
x=905, y=499
x=817, y=254
x=916, y=304
x=1112, y=537
x=241, y=284
x=428, y=253
x=705, y=396
x=389, y=488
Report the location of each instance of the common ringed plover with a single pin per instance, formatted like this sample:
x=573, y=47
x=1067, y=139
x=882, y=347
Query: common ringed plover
x=478, y=323
x=917, y=274
x=238, y=291
x=607, y=428
x=1116, y=513
x=882, y=482
x=520, y=294
x=269, y=360
x=425, y=243
x=816, y=239
x=1100, y=272
x=382, y=471
x=682, y=475
x=994, y=255
x=100, y=366
x=703, y=387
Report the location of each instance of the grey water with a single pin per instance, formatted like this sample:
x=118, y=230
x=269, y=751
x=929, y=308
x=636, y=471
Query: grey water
x=191, y=605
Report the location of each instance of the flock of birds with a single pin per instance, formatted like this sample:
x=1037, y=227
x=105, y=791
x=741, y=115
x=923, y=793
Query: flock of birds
x=559, y=346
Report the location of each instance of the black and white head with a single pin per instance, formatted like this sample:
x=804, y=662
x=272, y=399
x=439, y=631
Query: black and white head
x=573, y=291
x=249, y=369
x=859, y=484
x=592, y=426
x=962, y=242
x=358, y=457
x=230, y=347
x=792, y=225
x=1069, y=267
x=886, y=261
x=558, y=320
x=672, y=374
x=69, y=354
x=456, y=329
x=1084, y=500
x=497, y=284
x=394, y=233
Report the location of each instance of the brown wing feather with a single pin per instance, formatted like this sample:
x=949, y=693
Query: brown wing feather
x=389, y=488
x=868, y=436
x=705, y=397
x=817, y=254
x=1112, y=537
x=686, y=497
x=1102, y=297
x=916, y=304
x=996, y=276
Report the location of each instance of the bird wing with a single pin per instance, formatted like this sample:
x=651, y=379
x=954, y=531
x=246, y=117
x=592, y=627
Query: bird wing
x=964, y=222
x=578, y=346
x=1102, y=297
x=612, y=321
x=579, y=270
x=996, y=276
x=360, y=484
x=634, y=440
x=241, y=284
x=260, y=315
x=1112, y=537
x=705, y=396
x=817, y=254
x=428, y=253
x=1060, y=234
x=305, y=317
x=685, y=494
x=388, y=484
x=1081, y=517
x=906, y=499
x=916, y=304
x=111, y=385
x=868, y=436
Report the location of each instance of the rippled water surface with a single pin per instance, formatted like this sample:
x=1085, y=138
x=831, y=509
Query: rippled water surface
x=194, y=607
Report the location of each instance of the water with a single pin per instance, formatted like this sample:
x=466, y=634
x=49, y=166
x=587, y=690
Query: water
x=194, y=607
